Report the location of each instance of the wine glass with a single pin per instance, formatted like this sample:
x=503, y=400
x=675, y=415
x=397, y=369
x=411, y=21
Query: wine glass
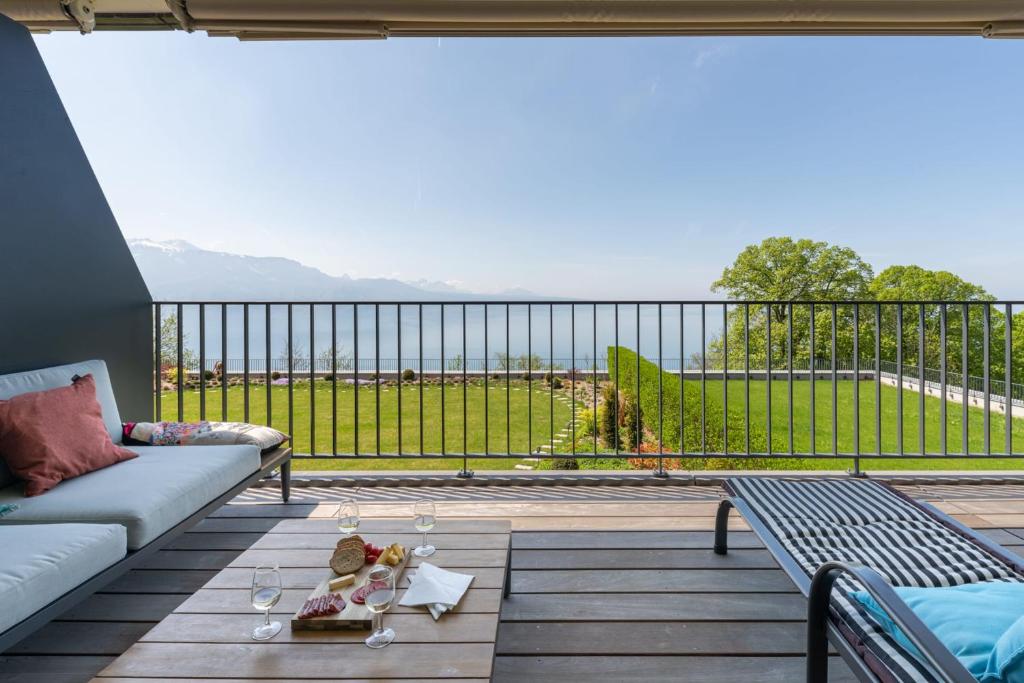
x=348, y=516
x=266, y=592
x=381, y=580
x=424, y=518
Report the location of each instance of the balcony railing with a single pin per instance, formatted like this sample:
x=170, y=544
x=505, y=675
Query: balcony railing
x=574, y=379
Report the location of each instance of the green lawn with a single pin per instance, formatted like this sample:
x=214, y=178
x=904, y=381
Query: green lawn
x=541, y=423
x=498, y=435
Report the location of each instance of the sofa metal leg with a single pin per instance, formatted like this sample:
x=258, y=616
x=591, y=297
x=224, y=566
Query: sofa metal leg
x=818, y=599
x=286, y=480
x=722, y=527
x=508, y=570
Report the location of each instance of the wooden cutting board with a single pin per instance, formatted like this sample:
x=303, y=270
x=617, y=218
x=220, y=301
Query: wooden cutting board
x=354, y=616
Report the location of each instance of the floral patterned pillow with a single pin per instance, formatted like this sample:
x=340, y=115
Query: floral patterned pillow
x=203, y=434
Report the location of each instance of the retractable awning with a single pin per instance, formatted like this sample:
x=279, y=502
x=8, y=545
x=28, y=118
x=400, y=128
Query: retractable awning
x=367, y=19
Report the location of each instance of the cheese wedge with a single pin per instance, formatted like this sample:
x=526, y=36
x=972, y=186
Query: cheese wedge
x=341, y=582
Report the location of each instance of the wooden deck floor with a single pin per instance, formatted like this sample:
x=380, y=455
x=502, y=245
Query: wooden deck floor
x=608, y=584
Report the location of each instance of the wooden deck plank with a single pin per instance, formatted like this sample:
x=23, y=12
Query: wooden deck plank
x=190, y=559
x=654, y=581
x=305, y=660
x=692, y=669
x=124, y=607
x=319, y=558
x=653, y=638
x=237, y=540
x=391, y=526
x=642, y=559
x=327, y=542
x=230, y=601
x=185, y=581
x=564, y=540
x=611, y=607
x=82, y=638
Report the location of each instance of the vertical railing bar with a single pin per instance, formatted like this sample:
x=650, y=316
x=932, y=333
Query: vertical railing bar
x=835, y=387
x=158, y=362
x=725, y=378
x=334, y=379
x=181, y=372
x=768, y=377
x=245, y=361
x=986, y=376
x=964, y=391
x=376, y=371
x=355, y=376
x=746, y=378
x=312, y=379
x=703, y=379
x=291, y=379
x=202, y=362
x=266, y=369
x=508, y=381
x=899, y=378
x=398, y=369
x=465, y=396
x=789, y=372
x=616, y=379
x=856, y=389
x=551, y=371
x=487, y=386
x=661, y=402
x=878, y=379
x=419, y=333
x=572, y=380
x=921, y=444
x=224, y=362
x=444, y=440
x=529, y=378
x=594, y=371
x=943, y=369
x=638, y=434
x=682, y=380
x=812, y=377
x=1008, y=380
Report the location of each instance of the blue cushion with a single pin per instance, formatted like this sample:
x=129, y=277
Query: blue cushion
x=981, y=623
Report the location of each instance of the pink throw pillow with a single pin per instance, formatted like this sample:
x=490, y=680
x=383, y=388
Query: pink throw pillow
x=49, y=436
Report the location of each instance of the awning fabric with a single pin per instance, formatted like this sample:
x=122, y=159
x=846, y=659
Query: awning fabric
x=367, y=19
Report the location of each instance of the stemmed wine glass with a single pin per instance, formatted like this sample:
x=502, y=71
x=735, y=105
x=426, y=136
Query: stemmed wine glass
x=424, y=518
x=381, y=580
x=348, y=516
x=266, y=592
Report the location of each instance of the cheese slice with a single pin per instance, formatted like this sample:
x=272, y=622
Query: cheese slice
x=341, y=582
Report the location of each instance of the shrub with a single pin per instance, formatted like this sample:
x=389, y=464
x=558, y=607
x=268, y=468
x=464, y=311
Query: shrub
x=496, y=377
x=526, y=375
x=408, y=375
x=564, y=464
x=208, y=375
x=606, y=413
x=275, y=375
x=328, y=377
x=587, y=423
x=171, y=375
x=548, y=377
x=632, y=424
x=556, y=383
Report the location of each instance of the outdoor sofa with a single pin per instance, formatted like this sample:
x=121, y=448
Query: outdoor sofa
x=835, y=537
x=63, y=545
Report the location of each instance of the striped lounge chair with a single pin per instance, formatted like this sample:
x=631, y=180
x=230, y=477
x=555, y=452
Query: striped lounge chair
x=836, y=536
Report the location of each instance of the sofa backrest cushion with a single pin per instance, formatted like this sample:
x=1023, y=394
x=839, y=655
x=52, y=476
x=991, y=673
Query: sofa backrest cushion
x=60, y=376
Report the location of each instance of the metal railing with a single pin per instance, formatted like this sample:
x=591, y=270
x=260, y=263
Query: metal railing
x=689, y=377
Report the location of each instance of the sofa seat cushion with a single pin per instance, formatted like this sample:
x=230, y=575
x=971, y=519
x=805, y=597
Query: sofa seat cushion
x=148, y=495
x=43, y=562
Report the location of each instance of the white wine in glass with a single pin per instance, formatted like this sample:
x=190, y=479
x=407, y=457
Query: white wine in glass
x=424, y=518
x=266, y=592
x=348, y=516
x=379, y=600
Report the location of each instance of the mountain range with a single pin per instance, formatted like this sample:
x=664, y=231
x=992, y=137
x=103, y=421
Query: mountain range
x=175, y=270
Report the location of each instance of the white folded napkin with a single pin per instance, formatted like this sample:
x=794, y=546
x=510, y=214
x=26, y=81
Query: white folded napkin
x=439, y=589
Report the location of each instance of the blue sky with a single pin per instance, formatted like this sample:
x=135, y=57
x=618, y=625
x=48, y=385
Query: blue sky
x=591, y=168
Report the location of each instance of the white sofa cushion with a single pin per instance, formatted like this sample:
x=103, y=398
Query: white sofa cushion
x=60, y=376
x=148, y=495
x=43, y=562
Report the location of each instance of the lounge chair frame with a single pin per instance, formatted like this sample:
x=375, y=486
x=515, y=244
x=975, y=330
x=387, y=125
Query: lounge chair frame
x=818, y=589
x=279, y=458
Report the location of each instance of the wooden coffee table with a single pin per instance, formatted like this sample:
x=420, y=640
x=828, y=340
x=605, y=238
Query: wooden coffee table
x=208, y=635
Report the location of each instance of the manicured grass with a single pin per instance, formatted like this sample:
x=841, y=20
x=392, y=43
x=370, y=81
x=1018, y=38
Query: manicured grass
x=562, y=416
x=500, y=439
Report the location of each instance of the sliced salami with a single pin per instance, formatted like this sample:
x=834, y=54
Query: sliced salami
x=322, y=606
x=359, y=595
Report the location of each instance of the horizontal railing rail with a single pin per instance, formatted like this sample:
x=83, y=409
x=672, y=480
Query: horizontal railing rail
x=648, y=381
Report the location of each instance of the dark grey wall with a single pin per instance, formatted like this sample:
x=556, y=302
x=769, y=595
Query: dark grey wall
x=69, y=288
